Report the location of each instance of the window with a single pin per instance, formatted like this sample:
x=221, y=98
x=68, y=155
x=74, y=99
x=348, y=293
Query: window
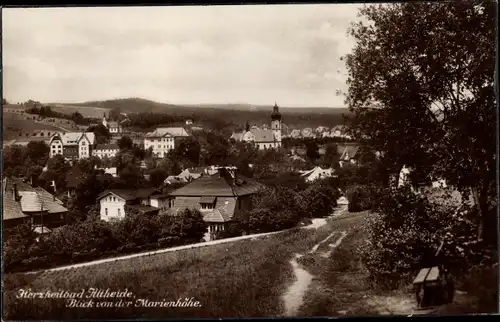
x=83, y=142
x=119, y=212
x=106, y=211
x=207, y=206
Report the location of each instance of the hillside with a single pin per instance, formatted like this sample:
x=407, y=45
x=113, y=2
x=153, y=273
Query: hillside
x=237, y=114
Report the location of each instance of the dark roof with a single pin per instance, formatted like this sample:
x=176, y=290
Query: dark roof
x=207, y=199
x=223, y=210
x=110, y=146
x=218, y=186
x=129, y=194
x=31, y=200
x=142, y=208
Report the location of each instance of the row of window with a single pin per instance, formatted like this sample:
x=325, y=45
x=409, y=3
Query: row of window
x=118, y=212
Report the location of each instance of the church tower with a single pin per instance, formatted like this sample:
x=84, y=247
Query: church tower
x=276, y=124
x=104, y=121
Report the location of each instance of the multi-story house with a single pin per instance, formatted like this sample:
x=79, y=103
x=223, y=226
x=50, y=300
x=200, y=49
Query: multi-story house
x=219, y=197
x=263, y=138
x=117, y=203
x=72, y=145
x=164, y=139
x=106, y=150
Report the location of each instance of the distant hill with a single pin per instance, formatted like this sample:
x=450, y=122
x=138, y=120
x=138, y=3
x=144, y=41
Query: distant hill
x=235, y=113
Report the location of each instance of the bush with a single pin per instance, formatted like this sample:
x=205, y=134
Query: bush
x=359, y=198
x=405, y=234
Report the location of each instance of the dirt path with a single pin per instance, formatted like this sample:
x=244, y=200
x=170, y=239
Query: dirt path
x=294, y=297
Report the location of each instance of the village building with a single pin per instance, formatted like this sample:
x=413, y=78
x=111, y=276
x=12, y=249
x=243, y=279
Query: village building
x=295, y=134
x=72, y=145
x=317, y=173
x=348, y=153
x=115, y=204
x=112, y=126
x=25, y=204
x=219, y=197
x=164, y=139
x=263, y=138
x=106, y=150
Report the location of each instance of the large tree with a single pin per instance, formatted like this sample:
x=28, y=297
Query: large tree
x=421, y=89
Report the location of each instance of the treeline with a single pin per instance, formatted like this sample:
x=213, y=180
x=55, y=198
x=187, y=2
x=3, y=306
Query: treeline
x=96, y=239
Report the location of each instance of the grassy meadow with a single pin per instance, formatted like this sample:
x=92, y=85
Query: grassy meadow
x=87, y=111
x=241, y=279
x=13, y=124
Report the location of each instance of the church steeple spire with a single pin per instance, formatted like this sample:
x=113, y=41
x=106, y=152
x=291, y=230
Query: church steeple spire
x=276, y=115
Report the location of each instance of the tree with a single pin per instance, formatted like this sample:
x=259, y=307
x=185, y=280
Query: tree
x=57, y=167
x=37, y=152
x=424, y=96
x=157, y=176
x=125, y=143
x=331, y=157
x=189, y=225
x=312, y=150
x=102, y=135
x=4, y=102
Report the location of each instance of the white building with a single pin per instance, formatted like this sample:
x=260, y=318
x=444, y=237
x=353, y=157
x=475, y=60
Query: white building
x=112, y=126
x=317, y=173
x=263, y=138
x=113, y=204
x=72, y=145
x=163, y=139
x=106, y=150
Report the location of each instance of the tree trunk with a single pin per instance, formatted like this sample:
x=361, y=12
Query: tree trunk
x=481, y=202
x=480, y=228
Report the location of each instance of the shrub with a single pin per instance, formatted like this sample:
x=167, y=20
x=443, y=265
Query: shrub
x=408, y=229
x=359, y=198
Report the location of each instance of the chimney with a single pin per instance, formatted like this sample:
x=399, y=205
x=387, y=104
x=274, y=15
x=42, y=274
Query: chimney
x=15, y=192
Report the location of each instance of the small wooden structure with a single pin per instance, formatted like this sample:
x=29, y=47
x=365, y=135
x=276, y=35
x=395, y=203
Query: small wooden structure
x=433, y=286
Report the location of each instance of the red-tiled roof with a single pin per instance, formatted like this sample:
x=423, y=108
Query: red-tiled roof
x=219, y=186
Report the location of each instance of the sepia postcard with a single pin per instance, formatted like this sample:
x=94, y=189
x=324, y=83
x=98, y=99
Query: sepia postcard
x=239, y=161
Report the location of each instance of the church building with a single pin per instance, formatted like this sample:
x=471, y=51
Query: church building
x=263, y=138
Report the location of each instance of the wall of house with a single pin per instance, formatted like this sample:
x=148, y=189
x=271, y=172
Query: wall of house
x=56, y=148
x=161, y=203
x=84, y=148
x=110, y=153
x=160, y=146
x=70, y=152
x=48, y=220
x=115, y=207
x=267, y=145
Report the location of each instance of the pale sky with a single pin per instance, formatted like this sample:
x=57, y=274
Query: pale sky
x=180, y=55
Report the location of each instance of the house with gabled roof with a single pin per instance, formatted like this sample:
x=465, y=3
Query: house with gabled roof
x=164, y=139
x=23, y=203
x=219, y=197
x=115, y=204
x=72, y=145
x=263, y=138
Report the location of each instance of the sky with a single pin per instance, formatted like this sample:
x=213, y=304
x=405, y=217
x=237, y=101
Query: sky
x=289, y=54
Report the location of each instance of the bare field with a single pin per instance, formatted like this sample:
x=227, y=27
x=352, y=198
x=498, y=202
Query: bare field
x=88, y=111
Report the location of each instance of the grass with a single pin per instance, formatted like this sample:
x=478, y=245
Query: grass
x=13, y=124
x=241, y=279
x=340, y=282
x=87, y=111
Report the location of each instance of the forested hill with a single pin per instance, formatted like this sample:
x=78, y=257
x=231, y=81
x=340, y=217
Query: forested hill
x=234, y=113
